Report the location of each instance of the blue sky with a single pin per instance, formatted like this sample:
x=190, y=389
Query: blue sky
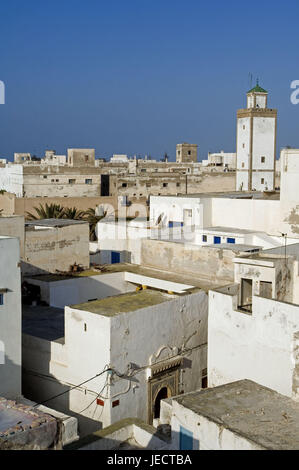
x=137, y=77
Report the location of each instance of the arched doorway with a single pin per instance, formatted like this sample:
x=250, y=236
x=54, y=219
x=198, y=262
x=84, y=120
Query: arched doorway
x=163, y=393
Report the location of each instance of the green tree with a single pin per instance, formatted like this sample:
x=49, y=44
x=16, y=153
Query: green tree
x=73, y=213
x=48, y=211
x=92, y=218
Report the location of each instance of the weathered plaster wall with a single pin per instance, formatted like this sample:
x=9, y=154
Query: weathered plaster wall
x=10, y=319
x=56, y=249
x=14, y=227
x=210, y=263
x=93, y=341
x=258, y=346
x=207, y=434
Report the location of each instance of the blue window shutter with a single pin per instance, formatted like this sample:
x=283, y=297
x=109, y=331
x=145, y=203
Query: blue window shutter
x=186, y=439
x=115, y=257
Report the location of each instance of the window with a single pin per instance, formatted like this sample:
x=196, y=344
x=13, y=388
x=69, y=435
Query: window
x=143, y=170
x=217, y=240
x=148, y=185
x=165, y=185
x=246, y=295
x=86, y=158
x=243, y=145
x=263, y=159
x=231, y=240
x=204, y=238
x=115, y=257
x=243, y=164
x=88, y=181
x=262, y=180
x=243, y=127
x=124, y=185
x=72, y=181
x=179, y=152
x=178, y=185
x=189, y=152
x=45, y=176
x=1, y=299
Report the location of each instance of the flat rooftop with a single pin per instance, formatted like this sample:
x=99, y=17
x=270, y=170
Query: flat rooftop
x=128, y=302
x=195, y=281
x=22, y=425
x=231, y=195
x=228, y=230
x=257, y=413
x=53, y=222
x=239, y=247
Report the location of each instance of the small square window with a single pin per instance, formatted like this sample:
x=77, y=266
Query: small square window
x=124, y=185
x=178, y=185
x=45, y=176
x=72, y=181
x=165, y=185
x=88, y=181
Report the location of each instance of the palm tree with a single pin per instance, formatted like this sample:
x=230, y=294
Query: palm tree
x=49, y=211
x=73, y=213
x=93, y=219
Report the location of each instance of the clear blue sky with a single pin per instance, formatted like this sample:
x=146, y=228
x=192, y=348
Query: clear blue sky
x=136, y=76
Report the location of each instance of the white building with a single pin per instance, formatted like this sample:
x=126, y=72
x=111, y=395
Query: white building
x=119, y=158
x=272, y=214
x=10, y=318
x=256, y=143
x=254, y=323
x=236, y=416
x=227, y=161
x=145, y=344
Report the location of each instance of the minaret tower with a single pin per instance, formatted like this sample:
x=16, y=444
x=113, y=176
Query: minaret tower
x=256, y=143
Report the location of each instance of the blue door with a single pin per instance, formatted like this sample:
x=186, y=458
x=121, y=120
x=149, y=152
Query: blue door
x=217, y=240
x=115, y=257
x=186, y=439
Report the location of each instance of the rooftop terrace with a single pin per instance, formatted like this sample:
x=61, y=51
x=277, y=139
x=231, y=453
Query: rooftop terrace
x=246, y=408
x=123, y=303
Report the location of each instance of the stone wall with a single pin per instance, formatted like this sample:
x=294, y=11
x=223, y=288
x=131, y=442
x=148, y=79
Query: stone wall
x=209, y=263
x=56, y=248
